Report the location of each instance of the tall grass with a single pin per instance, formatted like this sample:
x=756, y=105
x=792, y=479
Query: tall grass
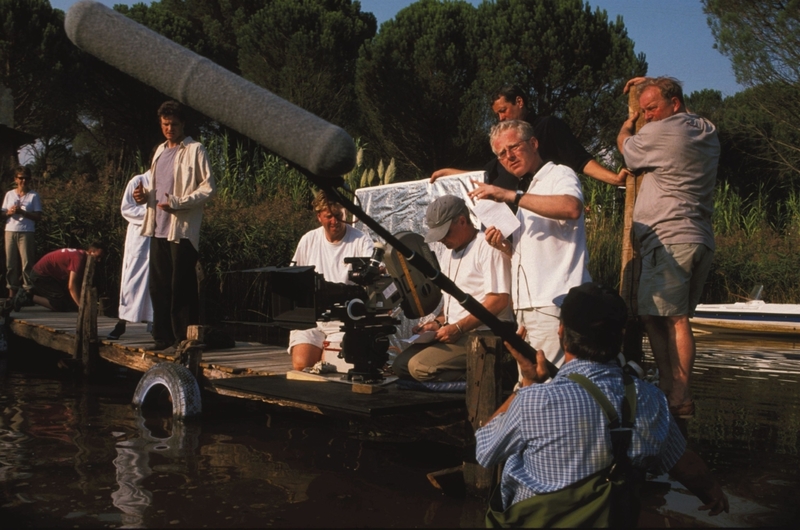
x=262, y=210
x=757, y=241
x=604, y=209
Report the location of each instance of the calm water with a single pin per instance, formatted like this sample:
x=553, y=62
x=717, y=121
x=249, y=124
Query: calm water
x=75, y=455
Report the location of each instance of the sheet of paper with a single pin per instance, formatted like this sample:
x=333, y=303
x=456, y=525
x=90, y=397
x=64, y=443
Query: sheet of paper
x=496, y=214
x=421, y=338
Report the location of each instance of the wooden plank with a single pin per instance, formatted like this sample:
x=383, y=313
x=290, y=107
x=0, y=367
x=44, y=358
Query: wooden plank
x=133, y=360
x=54, y=340
x=339, y=397
x=484, y=395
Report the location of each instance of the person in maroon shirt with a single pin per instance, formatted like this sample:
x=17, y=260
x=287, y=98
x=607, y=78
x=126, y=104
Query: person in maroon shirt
x=57, y=278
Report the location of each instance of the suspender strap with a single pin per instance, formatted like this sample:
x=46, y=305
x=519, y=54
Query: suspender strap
x=628, y=404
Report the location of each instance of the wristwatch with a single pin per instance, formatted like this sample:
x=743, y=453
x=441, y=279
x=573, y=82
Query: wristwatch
x=517, y=198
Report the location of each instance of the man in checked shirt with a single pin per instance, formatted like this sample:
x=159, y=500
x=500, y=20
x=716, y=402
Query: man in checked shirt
x=554, y=435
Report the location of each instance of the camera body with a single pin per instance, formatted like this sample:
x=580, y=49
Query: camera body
x=299, y=297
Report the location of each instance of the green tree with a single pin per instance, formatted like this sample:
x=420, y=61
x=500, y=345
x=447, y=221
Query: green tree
x=37, y=65
x=573, y=61
x=424, y=81
x=411, y=81
x=305, y=51
x=762, y=40
x=120, y=112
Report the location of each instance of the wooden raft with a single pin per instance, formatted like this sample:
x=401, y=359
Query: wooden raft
x=257, y=371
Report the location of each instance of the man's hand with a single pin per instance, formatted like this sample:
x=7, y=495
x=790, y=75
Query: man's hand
x=623, y=175
x=165, y=205
x=531, y=373
x=445, y=172
x=487, y=191
x=139, y=195
x=448, y=334
x=692, y=472
x=718, y=502
x=632, y=82
x=495, y=238
x=433, y=325
x=627, y=130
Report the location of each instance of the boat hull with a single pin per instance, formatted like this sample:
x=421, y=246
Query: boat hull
x=748, y=317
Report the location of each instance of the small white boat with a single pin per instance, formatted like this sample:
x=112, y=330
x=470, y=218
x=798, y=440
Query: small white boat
x=754, y=316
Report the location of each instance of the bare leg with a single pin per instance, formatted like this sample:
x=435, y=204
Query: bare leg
x=305, y=355
x=673, y=347
x=682, y=355
x=659, y=343
x=42, y=301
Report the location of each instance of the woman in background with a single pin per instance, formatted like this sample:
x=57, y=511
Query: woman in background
x=22, y=208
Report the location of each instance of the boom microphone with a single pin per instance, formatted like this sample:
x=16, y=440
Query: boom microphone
x=282, y=127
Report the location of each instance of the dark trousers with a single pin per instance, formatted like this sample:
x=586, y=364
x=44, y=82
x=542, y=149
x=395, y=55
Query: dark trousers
x=173, y=288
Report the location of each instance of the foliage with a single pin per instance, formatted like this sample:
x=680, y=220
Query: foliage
x=603, y=212
x=306, y=53
x=411, y=80
x=32, y=41
x=36, y=62
x=762, y=39
x=433, y=66
x=572, y=61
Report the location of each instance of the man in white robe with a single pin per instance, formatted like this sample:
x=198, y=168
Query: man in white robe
x=134, y=294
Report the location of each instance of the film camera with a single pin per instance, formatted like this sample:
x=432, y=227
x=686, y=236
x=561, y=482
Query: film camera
x=300, y=297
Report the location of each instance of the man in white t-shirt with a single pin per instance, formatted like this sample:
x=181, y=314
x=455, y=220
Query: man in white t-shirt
x=548, y=251
x=477, y=269
x=325, y=248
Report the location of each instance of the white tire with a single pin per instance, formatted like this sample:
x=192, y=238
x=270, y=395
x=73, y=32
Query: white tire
x=179, y=382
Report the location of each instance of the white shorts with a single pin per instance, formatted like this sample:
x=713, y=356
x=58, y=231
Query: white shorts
x=324, y=332
x=542, y=325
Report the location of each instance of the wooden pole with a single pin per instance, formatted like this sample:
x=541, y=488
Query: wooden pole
x=484, y=395
x=86, y=347
x=89, y=345
x=631, y=259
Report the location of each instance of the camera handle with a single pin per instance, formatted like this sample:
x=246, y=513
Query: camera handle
x=499, y=328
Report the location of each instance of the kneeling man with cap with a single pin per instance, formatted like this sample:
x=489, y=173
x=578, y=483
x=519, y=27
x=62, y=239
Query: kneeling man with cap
x=554, y=437
x=479, y=270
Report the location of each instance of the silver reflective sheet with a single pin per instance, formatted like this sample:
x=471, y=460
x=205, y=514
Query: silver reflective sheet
x=401, y=207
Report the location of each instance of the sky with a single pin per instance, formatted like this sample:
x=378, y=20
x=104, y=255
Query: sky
x=673, y=35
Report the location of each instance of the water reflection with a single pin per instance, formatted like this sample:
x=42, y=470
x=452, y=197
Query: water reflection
x=746, y=427
x=80, y=455
x=133, y=463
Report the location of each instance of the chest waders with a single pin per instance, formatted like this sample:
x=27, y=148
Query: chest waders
x=608, y=498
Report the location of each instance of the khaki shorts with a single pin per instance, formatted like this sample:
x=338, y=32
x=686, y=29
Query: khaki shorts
x=672, y=279
x=318, y=336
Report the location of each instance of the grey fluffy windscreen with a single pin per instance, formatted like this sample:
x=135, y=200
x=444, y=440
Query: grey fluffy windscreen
x=280, y=126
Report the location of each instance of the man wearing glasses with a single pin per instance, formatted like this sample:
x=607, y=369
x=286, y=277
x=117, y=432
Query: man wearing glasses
x=556, y=144
x=548, y=251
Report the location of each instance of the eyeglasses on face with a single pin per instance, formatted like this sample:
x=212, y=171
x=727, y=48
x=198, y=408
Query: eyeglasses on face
x=22, y=177
x=502, y=155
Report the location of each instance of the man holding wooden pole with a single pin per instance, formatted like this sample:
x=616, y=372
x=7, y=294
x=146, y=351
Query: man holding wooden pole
x=678, y=153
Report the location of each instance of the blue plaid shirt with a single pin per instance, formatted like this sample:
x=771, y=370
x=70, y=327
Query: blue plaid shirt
x=555, y=434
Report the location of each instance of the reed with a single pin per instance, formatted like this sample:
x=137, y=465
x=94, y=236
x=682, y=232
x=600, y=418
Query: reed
x=603, y=211
x=262, y=210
